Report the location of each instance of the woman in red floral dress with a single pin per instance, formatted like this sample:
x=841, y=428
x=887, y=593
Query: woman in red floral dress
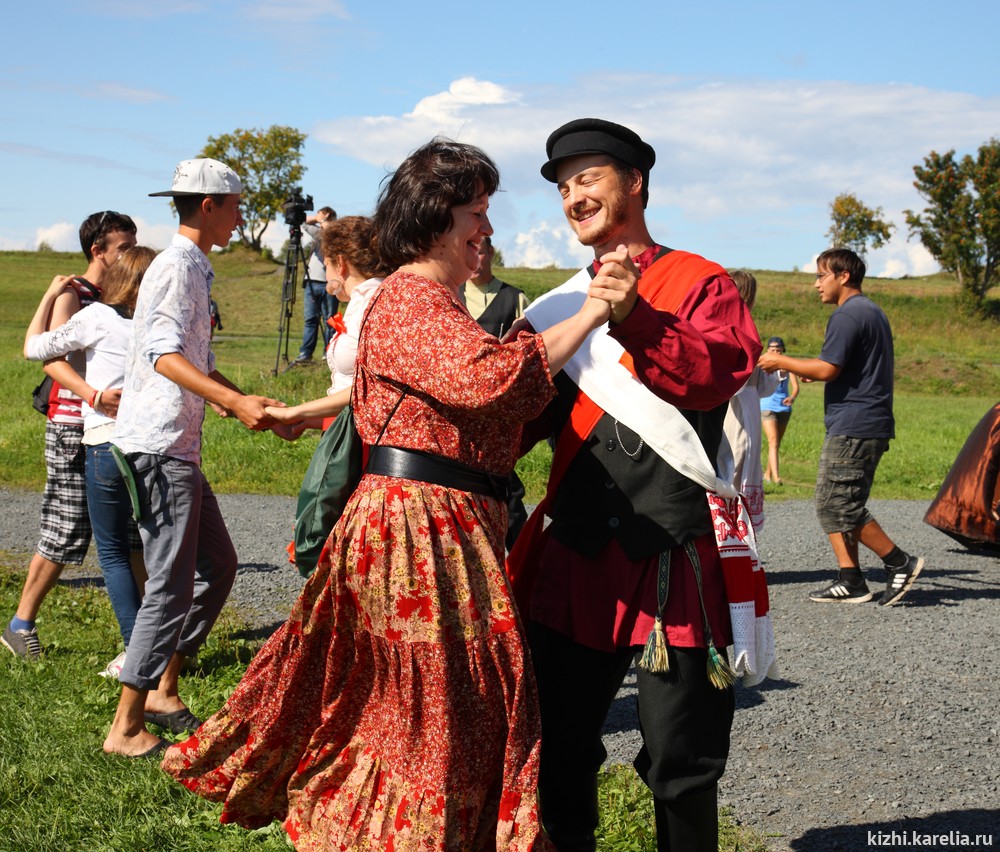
x=395, y=709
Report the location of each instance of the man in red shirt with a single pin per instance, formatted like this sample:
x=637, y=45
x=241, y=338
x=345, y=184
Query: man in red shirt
x=629, y=559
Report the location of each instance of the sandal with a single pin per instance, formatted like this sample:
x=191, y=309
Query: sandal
x=160, y=747
x=177, y=722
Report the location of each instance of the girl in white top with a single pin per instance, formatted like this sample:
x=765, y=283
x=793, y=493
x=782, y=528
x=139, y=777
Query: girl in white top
x=102, y=331
x=353, y=274
x=742, y=424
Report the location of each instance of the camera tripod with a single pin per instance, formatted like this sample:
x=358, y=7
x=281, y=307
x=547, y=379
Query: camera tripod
x=293, y=258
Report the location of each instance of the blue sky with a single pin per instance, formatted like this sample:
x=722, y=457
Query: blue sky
x=760, y=113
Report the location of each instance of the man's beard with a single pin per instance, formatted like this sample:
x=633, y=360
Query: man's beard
x=615, y=216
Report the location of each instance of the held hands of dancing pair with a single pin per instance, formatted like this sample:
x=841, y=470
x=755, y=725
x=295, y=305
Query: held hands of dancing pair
x=616, y=285
x=611, y=296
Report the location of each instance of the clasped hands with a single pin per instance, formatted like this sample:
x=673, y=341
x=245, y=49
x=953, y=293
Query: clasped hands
x=614, y=290
x=611, y=295
x=251, y=411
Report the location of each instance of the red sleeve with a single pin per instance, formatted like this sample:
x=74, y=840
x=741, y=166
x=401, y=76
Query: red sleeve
x=698, y=357
x=442, y=352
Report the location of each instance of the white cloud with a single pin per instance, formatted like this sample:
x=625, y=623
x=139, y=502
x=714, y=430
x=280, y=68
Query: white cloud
x=737, y=161
x=62, y=236
x=810, y=266
x=386, y=140
x=448, y=106
x=901, y=258
x=275, y=236
x=547, y=244
x=65, y=236
x=156, y=235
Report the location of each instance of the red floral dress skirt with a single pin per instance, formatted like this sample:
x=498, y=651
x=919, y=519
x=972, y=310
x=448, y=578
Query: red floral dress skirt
x=396, y=708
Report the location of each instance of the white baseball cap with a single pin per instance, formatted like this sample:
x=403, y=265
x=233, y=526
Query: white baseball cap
x=203, y=176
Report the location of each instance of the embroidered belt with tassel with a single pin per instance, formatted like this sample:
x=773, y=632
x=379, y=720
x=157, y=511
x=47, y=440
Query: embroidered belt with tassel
x=654, y=656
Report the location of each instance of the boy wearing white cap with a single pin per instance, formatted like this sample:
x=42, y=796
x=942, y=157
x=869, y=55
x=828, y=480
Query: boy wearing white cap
x=169, y=374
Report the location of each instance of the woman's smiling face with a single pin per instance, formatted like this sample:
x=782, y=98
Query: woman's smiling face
x=458, y=247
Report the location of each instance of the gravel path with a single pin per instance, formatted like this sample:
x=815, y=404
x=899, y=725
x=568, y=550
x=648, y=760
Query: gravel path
x=884, y=719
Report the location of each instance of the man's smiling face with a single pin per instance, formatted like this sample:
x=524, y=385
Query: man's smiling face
x=595, y=198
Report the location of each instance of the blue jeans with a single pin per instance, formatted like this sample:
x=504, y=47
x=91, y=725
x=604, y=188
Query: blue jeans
x=114, y=533
x=318, y=306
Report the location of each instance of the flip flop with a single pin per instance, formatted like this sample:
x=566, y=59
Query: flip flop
x=177, y=722
x=161, y=746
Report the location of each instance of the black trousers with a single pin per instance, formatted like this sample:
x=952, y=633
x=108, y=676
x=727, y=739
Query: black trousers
x=684, y=720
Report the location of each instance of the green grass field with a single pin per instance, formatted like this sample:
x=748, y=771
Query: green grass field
x=947, y=374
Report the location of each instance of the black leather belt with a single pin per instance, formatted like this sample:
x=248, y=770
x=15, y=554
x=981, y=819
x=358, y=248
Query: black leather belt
x=437, y=470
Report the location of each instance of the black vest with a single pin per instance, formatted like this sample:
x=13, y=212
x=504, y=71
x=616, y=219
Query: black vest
x=501, y=312
x=641, y=501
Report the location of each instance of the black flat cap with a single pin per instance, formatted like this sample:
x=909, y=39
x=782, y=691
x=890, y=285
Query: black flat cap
x=597, y=136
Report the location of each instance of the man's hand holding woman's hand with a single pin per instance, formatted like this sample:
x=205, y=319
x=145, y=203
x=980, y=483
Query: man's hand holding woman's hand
x=251, y=411
x=617, y=283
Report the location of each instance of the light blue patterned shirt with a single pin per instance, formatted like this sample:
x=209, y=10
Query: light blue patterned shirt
x=172, y=314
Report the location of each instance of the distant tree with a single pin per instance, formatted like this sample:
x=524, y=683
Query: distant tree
x=961, y=225
x=498, y=258
x=43, y=246
x=854, y=226
x=269, y=164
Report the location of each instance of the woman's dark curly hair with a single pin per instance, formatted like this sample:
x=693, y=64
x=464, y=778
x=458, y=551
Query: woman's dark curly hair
x=414, y=206
x=353, y=238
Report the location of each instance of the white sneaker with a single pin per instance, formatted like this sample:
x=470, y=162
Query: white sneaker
x=114, y=668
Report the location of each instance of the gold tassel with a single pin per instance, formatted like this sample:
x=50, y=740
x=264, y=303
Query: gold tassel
x=654, y=655
x=719, y=673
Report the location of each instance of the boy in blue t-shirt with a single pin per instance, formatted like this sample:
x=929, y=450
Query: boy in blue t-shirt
x=856, y=363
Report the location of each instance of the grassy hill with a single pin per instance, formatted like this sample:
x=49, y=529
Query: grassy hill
x=947, y=374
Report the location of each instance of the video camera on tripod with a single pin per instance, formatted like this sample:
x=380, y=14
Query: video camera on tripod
x=295, y=208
